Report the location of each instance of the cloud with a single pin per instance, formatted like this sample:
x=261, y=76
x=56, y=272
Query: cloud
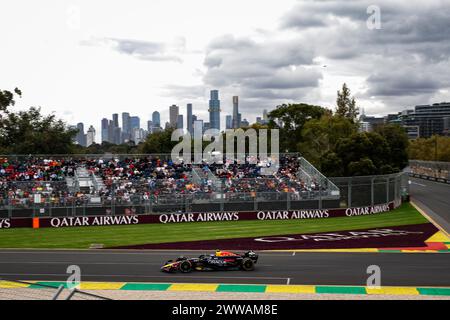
x=252, y=66
x=143, y=50
x=406, y=26
x=184, y=92
x=397, y=66
x=401, y=84
x=401, y=62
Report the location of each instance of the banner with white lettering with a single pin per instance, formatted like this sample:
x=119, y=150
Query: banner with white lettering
x=133, y=219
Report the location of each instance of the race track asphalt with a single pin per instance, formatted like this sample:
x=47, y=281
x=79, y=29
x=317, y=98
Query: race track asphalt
x=434, y=199
x=397, y=269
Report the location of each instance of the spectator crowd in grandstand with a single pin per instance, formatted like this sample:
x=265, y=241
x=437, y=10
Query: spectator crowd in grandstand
x=146, y=177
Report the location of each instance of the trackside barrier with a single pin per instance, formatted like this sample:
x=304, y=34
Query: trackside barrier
x=304, y=214
x=430, y=170
x=271, y=193
x=353, y=192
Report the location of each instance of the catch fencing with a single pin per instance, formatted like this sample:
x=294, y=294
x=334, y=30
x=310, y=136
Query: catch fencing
x=430, y=170
x=340, y=192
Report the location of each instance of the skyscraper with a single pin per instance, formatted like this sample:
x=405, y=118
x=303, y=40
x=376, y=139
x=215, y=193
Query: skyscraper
x=198, y=128
x=105, y=133
x=126, y=126
x=149, y=126
x=115, y=120
x=115, y=131
x=173, y=115
x=180, y=121
x=111, y=131
x=214, y=110
x=156, y=119
x=135, y=122
x=117, y=139
x=228, y=122
x=90, y=136
x=81, y=137
x=189, y=118
x=236, y=120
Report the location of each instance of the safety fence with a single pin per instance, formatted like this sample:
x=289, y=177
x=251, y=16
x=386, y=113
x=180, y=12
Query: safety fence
x=430, y=170
x=347, y=192
x=371, y=190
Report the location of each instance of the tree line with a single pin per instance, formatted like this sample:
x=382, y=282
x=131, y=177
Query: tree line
x=436, y=148
x=333, y=143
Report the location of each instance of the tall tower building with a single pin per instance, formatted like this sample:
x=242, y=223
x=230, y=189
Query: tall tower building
x=214, y=110
x=173, y=115
x=81, y=137
x=116, y=130
x=189, y=118
x=105, y=133
x=228, y=122
x=115, y=120
x=156, y=119
x=180, y=121
x=126, y=126
x=90, y=136
x=198, y=128
x=135, y=122
x=111, y=131
x=236, y=120
x=149, y=126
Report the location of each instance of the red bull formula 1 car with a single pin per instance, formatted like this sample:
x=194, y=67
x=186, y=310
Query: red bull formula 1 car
x=221, y=260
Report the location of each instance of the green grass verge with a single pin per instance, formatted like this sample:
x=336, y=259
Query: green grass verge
x=110, y=236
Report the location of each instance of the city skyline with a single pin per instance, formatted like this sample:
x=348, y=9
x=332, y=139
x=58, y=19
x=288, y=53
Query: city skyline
x=114, y=132
x=84, y=64
x=421, y=121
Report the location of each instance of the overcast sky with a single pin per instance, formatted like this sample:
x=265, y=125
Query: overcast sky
x=85, y=60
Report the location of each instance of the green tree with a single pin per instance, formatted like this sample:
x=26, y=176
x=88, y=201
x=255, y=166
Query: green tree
x=107, y=147
x=363, y=167
x=7, y=99
x=320, y=137
x=331, y=165
x=30, y=132
x=398, y=142
x=346, y=104
x=290, y=119
x=361, y=146
x=430, y=149
x=158, y=142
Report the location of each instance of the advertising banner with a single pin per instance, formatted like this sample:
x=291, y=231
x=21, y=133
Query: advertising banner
x=133, y=219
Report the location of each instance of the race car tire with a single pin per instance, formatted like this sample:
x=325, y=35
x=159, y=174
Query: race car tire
x=185, y=266
x=247, y=264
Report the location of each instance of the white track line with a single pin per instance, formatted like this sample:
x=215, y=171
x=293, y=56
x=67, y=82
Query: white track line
x=141, y=252
x=140, y=276
x=418, y=184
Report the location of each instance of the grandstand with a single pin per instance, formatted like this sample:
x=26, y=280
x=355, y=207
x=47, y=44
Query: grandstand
x=114, y=184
